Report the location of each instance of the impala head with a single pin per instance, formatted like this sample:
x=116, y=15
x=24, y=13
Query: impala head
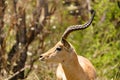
x=59, y=53
x=63, y=50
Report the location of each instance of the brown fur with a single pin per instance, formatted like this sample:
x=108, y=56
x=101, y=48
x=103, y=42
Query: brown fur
x=71, y=66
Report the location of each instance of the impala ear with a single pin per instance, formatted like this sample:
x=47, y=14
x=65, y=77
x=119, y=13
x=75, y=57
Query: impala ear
x=65, y=43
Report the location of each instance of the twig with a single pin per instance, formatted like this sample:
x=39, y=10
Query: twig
x=17, y=73
x=31, y=66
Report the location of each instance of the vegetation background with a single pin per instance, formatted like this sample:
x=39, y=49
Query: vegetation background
x=30, y=27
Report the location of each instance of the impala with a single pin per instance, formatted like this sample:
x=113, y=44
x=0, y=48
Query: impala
x=70, y=65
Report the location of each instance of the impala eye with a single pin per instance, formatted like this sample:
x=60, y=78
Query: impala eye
x=58, y=48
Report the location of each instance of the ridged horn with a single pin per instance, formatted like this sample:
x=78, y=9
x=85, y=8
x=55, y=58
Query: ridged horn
x=78, y=27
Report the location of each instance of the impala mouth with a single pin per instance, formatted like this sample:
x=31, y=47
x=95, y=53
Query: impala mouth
x=41, y=58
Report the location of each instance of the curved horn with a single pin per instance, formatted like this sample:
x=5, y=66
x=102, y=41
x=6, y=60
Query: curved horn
x=78, y=27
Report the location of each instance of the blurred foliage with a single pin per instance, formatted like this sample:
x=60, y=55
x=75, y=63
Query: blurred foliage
x=100, y=43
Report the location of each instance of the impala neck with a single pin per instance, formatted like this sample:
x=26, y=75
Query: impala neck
x=73, y=70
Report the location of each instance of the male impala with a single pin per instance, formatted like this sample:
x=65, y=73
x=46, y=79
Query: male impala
x=71, y=66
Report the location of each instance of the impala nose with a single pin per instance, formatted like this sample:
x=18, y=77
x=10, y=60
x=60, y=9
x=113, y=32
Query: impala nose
x=41, y=58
